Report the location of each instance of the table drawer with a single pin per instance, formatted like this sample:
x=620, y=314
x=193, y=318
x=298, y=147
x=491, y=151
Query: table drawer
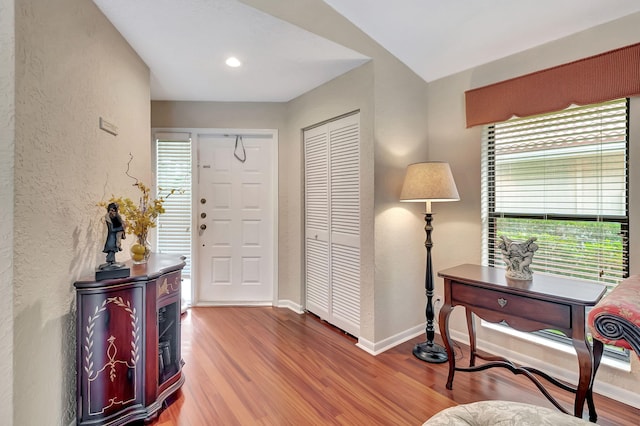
x=511, y=305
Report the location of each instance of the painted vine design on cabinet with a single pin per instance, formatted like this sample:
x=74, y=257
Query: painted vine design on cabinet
x=128, y=354
x=168, y=287
x=111, y=352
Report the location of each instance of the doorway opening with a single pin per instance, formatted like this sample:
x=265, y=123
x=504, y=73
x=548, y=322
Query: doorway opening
x=227, y=225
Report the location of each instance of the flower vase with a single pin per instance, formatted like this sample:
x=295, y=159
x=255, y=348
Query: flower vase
x=140, y=251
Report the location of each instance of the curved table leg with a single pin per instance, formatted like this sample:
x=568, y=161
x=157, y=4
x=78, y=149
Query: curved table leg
x=443, y=319
x=587, y=373
x=598, y=349
x=471, y=328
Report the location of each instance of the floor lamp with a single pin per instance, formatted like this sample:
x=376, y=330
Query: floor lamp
x=429, y=182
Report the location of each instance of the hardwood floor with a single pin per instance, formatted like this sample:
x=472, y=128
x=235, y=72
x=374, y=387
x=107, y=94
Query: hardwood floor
x=271, y=366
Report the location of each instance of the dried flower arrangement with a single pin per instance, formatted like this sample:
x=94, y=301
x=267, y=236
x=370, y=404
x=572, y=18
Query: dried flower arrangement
x=140, y=217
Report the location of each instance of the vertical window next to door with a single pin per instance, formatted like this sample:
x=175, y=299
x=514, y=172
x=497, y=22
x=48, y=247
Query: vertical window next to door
x=173, y=171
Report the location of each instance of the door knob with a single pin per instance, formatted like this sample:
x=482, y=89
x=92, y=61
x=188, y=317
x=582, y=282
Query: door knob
x=203, y=227
x=203, y=200
x=203, y=215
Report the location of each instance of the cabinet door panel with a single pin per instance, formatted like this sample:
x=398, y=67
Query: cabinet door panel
x=111, y=342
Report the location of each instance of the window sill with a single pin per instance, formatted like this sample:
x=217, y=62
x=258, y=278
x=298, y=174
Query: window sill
x=608, y=361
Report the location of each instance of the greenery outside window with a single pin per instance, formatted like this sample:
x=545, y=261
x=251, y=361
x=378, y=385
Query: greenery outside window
x=561, y=177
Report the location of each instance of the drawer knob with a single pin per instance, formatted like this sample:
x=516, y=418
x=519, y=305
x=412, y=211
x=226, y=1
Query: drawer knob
x=502, y=302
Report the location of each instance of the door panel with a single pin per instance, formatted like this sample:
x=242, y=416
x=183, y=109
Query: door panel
x=317, y=288
x=332, y=222
x=236, y=245
x=317, y=279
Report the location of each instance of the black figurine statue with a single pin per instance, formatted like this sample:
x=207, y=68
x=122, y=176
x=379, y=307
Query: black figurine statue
x=115, y=234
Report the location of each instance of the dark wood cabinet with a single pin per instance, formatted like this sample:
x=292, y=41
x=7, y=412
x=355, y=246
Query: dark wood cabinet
x=128, y=343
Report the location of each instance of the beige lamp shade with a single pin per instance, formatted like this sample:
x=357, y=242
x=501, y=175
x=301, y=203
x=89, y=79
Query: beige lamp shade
x=430, y=181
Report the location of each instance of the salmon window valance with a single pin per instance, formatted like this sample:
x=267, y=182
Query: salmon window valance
x=610, y=75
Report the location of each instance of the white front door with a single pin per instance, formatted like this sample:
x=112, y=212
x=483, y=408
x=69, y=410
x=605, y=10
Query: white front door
x=235, y=219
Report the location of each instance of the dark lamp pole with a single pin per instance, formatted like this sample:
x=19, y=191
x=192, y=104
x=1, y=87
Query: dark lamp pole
x=429, y=182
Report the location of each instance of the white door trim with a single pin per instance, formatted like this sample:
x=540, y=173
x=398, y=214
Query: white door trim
x=195, y=137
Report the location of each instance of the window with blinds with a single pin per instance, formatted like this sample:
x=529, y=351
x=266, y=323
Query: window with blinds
x=173, y=171
x=561, y=177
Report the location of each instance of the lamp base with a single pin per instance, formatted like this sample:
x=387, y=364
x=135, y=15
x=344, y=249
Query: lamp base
x=430, y=352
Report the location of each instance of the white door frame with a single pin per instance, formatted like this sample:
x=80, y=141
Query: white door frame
x=195, y=145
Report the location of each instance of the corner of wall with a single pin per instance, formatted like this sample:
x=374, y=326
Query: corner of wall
x=7, y=152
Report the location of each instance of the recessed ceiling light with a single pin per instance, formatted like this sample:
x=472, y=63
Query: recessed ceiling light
x=233, y=62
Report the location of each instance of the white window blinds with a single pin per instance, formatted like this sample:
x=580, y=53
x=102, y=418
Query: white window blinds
x=561, y=177
x=173, y=171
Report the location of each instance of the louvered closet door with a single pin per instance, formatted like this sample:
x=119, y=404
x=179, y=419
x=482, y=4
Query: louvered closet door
x=332, y=248
x=316, y=149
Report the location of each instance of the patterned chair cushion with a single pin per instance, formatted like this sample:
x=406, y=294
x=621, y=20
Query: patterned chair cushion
x=615, y=320
x=503, y=413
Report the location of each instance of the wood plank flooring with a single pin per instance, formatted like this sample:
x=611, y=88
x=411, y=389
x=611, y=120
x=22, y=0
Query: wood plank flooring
x=271, y=366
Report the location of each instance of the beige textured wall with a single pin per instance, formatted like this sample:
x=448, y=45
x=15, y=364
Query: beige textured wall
x=7, y=146
x=72, y=67
x=218, y=115
x=394, y=301
x=460, y=221
x=349, y=92
x=401, y=138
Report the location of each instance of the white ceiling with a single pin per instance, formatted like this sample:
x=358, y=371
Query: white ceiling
x=185, y=42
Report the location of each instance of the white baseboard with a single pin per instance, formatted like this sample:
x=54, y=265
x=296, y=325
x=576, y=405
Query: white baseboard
x=295, y=307
x=613, y=392
x=375, y=348
x=238, y=303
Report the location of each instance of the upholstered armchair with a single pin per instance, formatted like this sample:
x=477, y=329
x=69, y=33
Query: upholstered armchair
x=615, y=320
